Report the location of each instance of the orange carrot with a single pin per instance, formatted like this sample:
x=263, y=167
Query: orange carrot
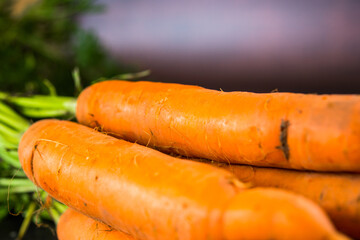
x=150, y=195
x=76, y=226
x=338, y=194
x=287, y=130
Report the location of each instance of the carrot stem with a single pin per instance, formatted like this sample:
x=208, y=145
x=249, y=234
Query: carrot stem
x=26, y=223
x=77, y=80
x=18, y=189
x=6, y=157
x=4, y=129
x=55, y=215
x=15, y=182
x=11, y=118
x=6, y=109
x=51, y=87
x=61, y=208
x=40, y=102
x=13, y=153
x=4, y=142
x=39, y=106
x=8, y=120
x=41, y=113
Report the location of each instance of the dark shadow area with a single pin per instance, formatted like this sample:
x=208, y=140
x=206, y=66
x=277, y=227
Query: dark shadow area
x=10, y=226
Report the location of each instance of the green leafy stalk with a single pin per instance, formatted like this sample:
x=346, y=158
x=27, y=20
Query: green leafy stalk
x=17, y=189
x=14, y=186
x=9, y=135
x=51, y=87
x=40, y=106
x=77, y=81
x=59, y=206
x=55, y=215
x=12, y=126
x=39, y=101
x=25, y=224
x=7, y=158
x=45, y=113
x=126, y=76
x=41, y=41
x=15, y=182
x=4, y=143
x=9, y=117
x=8, y=120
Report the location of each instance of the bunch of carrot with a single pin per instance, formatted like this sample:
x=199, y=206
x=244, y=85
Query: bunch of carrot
x=141, y=193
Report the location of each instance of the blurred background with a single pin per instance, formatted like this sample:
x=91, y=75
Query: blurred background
x=299, y=46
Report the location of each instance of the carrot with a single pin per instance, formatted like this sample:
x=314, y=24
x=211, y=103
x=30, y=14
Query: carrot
x=338, y=194
x=76, y=226
x=286, y=130
x=150, y=195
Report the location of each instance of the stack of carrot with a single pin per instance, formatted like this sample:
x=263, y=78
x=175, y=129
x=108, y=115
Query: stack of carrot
x=155, y=172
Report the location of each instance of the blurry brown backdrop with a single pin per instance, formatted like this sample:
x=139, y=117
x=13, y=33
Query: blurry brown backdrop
x=301, y=46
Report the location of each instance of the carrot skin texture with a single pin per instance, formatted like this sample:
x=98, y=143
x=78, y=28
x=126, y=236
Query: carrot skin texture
x=252, y=210
x=151, y=195
x=337, y=193
x=76, y=226
x=126, y=185
x=286, y=130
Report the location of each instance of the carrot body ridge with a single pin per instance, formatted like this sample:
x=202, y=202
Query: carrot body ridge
x=150, y=195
